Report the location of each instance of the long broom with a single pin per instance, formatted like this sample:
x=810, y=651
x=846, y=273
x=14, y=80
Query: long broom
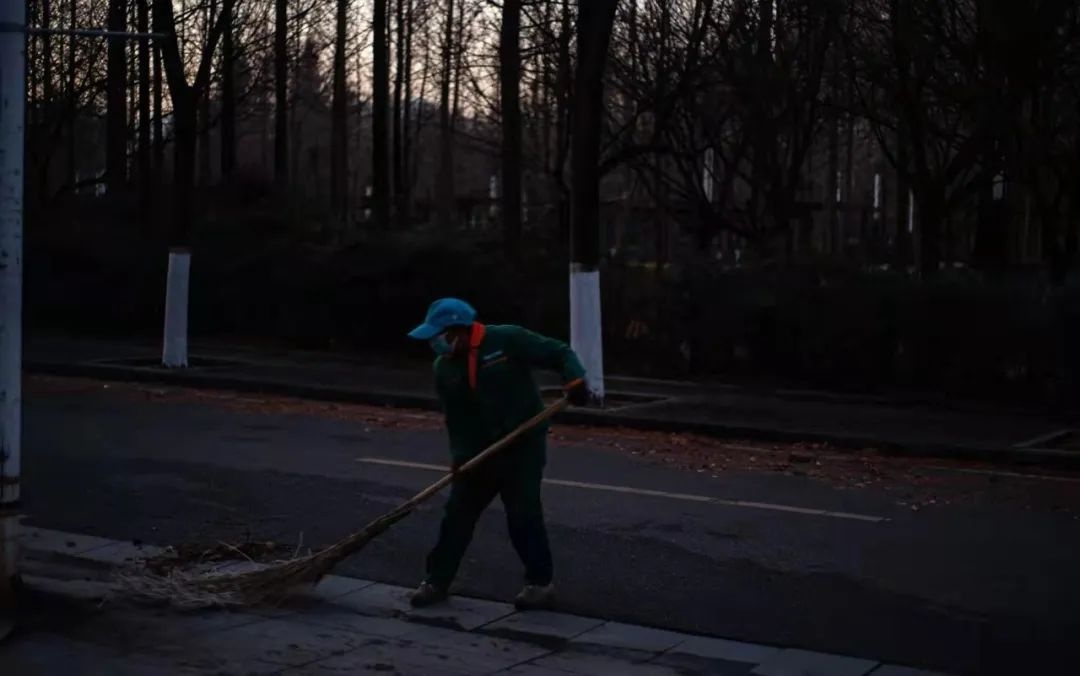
x=277, y=581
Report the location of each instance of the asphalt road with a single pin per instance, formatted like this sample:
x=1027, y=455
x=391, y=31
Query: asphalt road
x=978, y=580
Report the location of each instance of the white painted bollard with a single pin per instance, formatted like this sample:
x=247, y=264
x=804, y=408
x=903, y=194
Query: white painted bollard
x=586, y=334
x=12, y=109
x=174, y=351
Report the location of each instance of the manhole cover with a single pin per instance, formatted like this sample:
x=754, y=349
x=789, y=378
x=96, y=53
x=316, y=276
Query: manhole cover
x=155, y=362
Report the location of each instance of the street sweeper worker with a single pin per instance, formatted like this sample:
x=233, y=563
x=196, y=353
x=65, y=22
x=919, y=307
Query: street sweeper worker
x=484, y=379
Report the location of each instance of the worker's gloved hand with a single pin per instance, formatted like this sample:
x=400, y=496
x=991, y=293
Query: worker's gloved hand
x=577, y=393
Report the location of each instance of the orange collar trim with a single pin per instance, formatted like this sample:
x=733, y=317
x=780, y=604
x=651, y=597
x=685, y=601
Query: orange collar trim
x=476, y=338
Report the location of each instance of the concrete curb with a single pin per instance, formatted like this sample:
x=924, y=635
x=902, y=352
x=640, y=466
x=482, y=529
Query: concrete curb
x=208, y=379
x=581, y=644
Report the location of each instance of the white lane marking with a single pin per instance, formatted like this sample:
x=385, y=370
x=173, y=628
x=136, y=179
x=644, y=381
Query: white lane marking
x=1043, y=439
x=999, y=472
x=748, y=504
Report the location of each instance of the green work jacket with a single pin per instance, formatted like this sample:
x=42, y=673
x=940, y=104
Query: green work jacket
x=487, y=395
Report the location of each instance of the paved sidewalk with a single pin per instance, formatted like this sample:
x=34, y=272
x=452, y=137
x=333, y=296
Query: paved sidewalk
x=938, y=427
x=349, y=626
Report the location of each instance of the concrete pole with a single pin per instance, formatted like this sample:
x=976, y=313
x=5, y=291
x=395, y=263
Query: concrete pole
x=12, y=111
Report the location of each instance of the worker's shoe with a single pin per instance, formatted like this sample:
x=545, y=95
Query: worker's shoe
x=426, y=595
x=536, y=597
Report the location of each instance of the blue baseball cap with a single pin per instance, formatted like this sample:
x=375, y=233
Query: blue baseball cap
x=442, y=315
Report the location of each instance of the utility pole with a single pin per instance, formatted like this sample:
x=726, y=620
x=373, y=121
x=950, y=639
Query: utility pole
x=12, y=111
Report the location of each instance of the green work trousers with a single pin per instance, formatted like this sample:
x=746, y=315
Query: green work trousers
x=515, y=476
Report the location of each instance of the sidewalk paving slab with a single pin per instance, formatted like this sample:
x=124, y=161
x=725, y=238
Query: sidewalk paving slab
x=45, y=653
x=379, y=659
x=333, y=587
x=393, y=601
x=491, y=652
x=350, y=620
x=123, y=553
x=58, y=542
x=688, y=664
x=89, y=591
x=808, y=663
x=385, y=600
x=892, y=670
x=598, y=665
x=723, y=649
x=463, y=612
x=544, y=623
x=152, y=630
x=619, y=635
x=283, y=642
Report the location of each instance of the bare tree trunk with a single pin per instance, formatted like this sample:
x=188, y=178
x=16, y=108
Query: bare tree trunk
x=185, y=100
x=131, y=58
x=848, y=213
x=764, y=133
x=115, y=101
x=281, y=94
x=72, y=98
x=33, y=73
x=547, y=77
x=47, y=59
x=159, y=116
x=661, y=94
x=47, y=98
x=510, y=104
x=902, y=243
x=405, y=191
x=228, y=93
x=416, y=136
x=459, y=67
x=562, y=125
x=145, y=171
x=594, y=26
x=445, y=180
x=339, y=137
x=298, y=180
x=380, y=183
x=832, y=183
x=930, y=200
x=204, y=126
x=397, y=144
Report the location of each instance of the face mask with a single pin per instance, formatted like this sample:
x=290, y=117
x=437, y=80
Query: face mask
x=441, y=345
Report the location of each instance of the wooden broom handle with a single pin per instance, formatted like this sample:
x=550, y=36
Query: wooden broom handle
x=380, y=525
x=499, y=445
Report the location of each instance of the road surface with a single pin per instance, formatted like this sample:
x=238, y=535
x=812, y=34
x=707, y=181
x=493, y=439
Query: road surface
x=964, y=568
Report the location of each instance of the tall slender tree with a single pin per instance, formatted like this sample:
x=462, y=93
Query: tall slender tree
x=116, y=100
x=510, y=105
x=397, y=145
x=380, y=159
x=185, y=97
x=228, y=90
x=144, y=150
x=339, y=167
x=595, y=20
x=281, y=94
x=445, y=177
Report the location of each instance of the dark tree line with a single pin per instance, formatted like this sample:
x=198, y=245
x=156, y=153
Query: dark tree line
x=918, y=133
